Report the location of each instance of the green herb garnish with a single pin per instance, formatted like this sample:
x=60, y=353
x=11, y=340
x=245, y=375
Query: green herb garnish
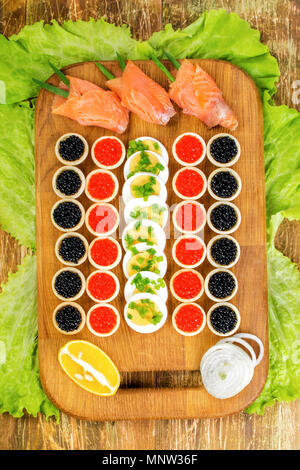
x=138, y=213
x=162, y=67
x=129, y=240
x=172, y=60
x=60, y=74
x=121, y=61
x=105, y=72
x=136, y=146
x=144, y=165
x=133, y=250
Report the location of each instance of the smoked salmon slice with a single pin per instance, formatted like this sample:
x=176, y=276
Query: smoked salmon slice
x=142, y=95
x=197, y=94
x=90, y=105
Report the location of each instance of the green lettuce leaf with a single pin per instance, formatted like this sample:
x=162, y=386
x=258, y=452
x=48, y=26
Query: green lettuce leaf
x=282, y=164
x=282, y=158
x=17, y=188
x=27, y=54
x=219, y=35
x=283, y=382
x=20, y=387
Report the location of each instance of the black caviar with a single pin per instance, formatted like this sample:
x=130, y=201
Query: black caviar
x=72, y=249
x=224, y=184
x=71, y=149
x=221, y=284
x=68, y=182
x=67, y=214
x=68, y=284
x=223, y=149
x=223, y=217
x=223, y=319
x=68, y=318
x=224, y=251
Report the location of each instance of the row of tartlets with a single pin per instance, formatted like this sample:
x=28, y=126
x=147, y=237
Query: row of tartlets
x=189, y=250
x=146, y=215
x=72, y=248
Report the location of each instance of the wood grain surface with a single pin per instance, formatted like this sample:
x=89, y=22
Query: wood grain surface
x=165, y=350
x=279, y=24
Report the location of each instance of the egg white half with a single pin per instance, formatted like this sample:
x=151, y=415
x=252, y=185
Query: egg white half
x=156, y=231
x=164, y=152
x=126, y=193
x=162, y=265
x=130, y=288
x=164, y=174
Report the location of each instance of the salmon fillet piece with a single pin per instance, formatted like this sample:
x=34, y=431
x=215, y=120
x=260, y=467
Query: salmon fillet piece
x=90, y=105
x=142, y=95
x=198, y=95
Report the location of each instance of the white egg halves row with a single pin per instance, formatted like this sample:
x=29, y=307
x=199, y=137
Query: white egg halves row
x=143, y=238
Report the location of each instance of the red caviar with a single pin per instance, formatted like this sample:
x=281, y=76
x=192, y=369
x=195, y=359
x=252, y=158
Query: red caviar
x=101, y=286
x=189, y=216
x=103, y=319
x=187, y=285
x=189, y=318
x=108, y=152
x=189, y=148
x=104, y=252
x=189, y=251
x=101, y=185
x=102, y=218
x=189, y=182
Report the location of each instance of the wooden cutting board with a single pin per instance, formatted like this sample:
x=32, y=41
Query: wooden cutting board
x=164, y=350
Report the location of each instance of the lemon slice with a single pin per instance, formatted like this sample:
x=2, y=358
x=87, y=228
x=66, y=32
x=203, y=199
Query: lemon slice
x=89, y=367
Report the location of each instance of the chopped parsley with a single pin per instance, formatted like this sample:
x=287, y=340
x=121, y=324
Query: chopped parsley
x=136, y=146
x=144, y=165
x=133, y=250
x=129, y=240
x=142, y=284
x=145, y=190
x=138, y=213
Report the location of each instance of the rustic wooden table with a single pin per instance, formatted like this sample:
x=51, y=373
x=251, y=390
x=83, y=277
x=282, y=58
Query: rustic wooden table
x=279, y=428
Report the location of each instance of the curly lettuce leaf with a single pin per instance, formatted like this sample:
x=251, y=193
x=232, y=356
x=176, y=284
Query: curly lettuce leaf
x=20, y=387
x=282, y=158
x=282, y=164
x=219, y=35
x=215, y=34
x=283, y=382
x=17, y=180
x=27, y=54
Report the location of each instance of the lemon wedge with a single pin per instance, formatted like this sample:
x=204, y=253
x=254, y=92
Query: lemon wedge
x=89, y=367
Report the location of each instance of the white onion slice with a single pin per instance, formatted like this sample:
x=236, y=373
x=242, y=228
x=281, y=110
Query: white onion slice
x=226, y=369
x=233, y=339
x=258, y=341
